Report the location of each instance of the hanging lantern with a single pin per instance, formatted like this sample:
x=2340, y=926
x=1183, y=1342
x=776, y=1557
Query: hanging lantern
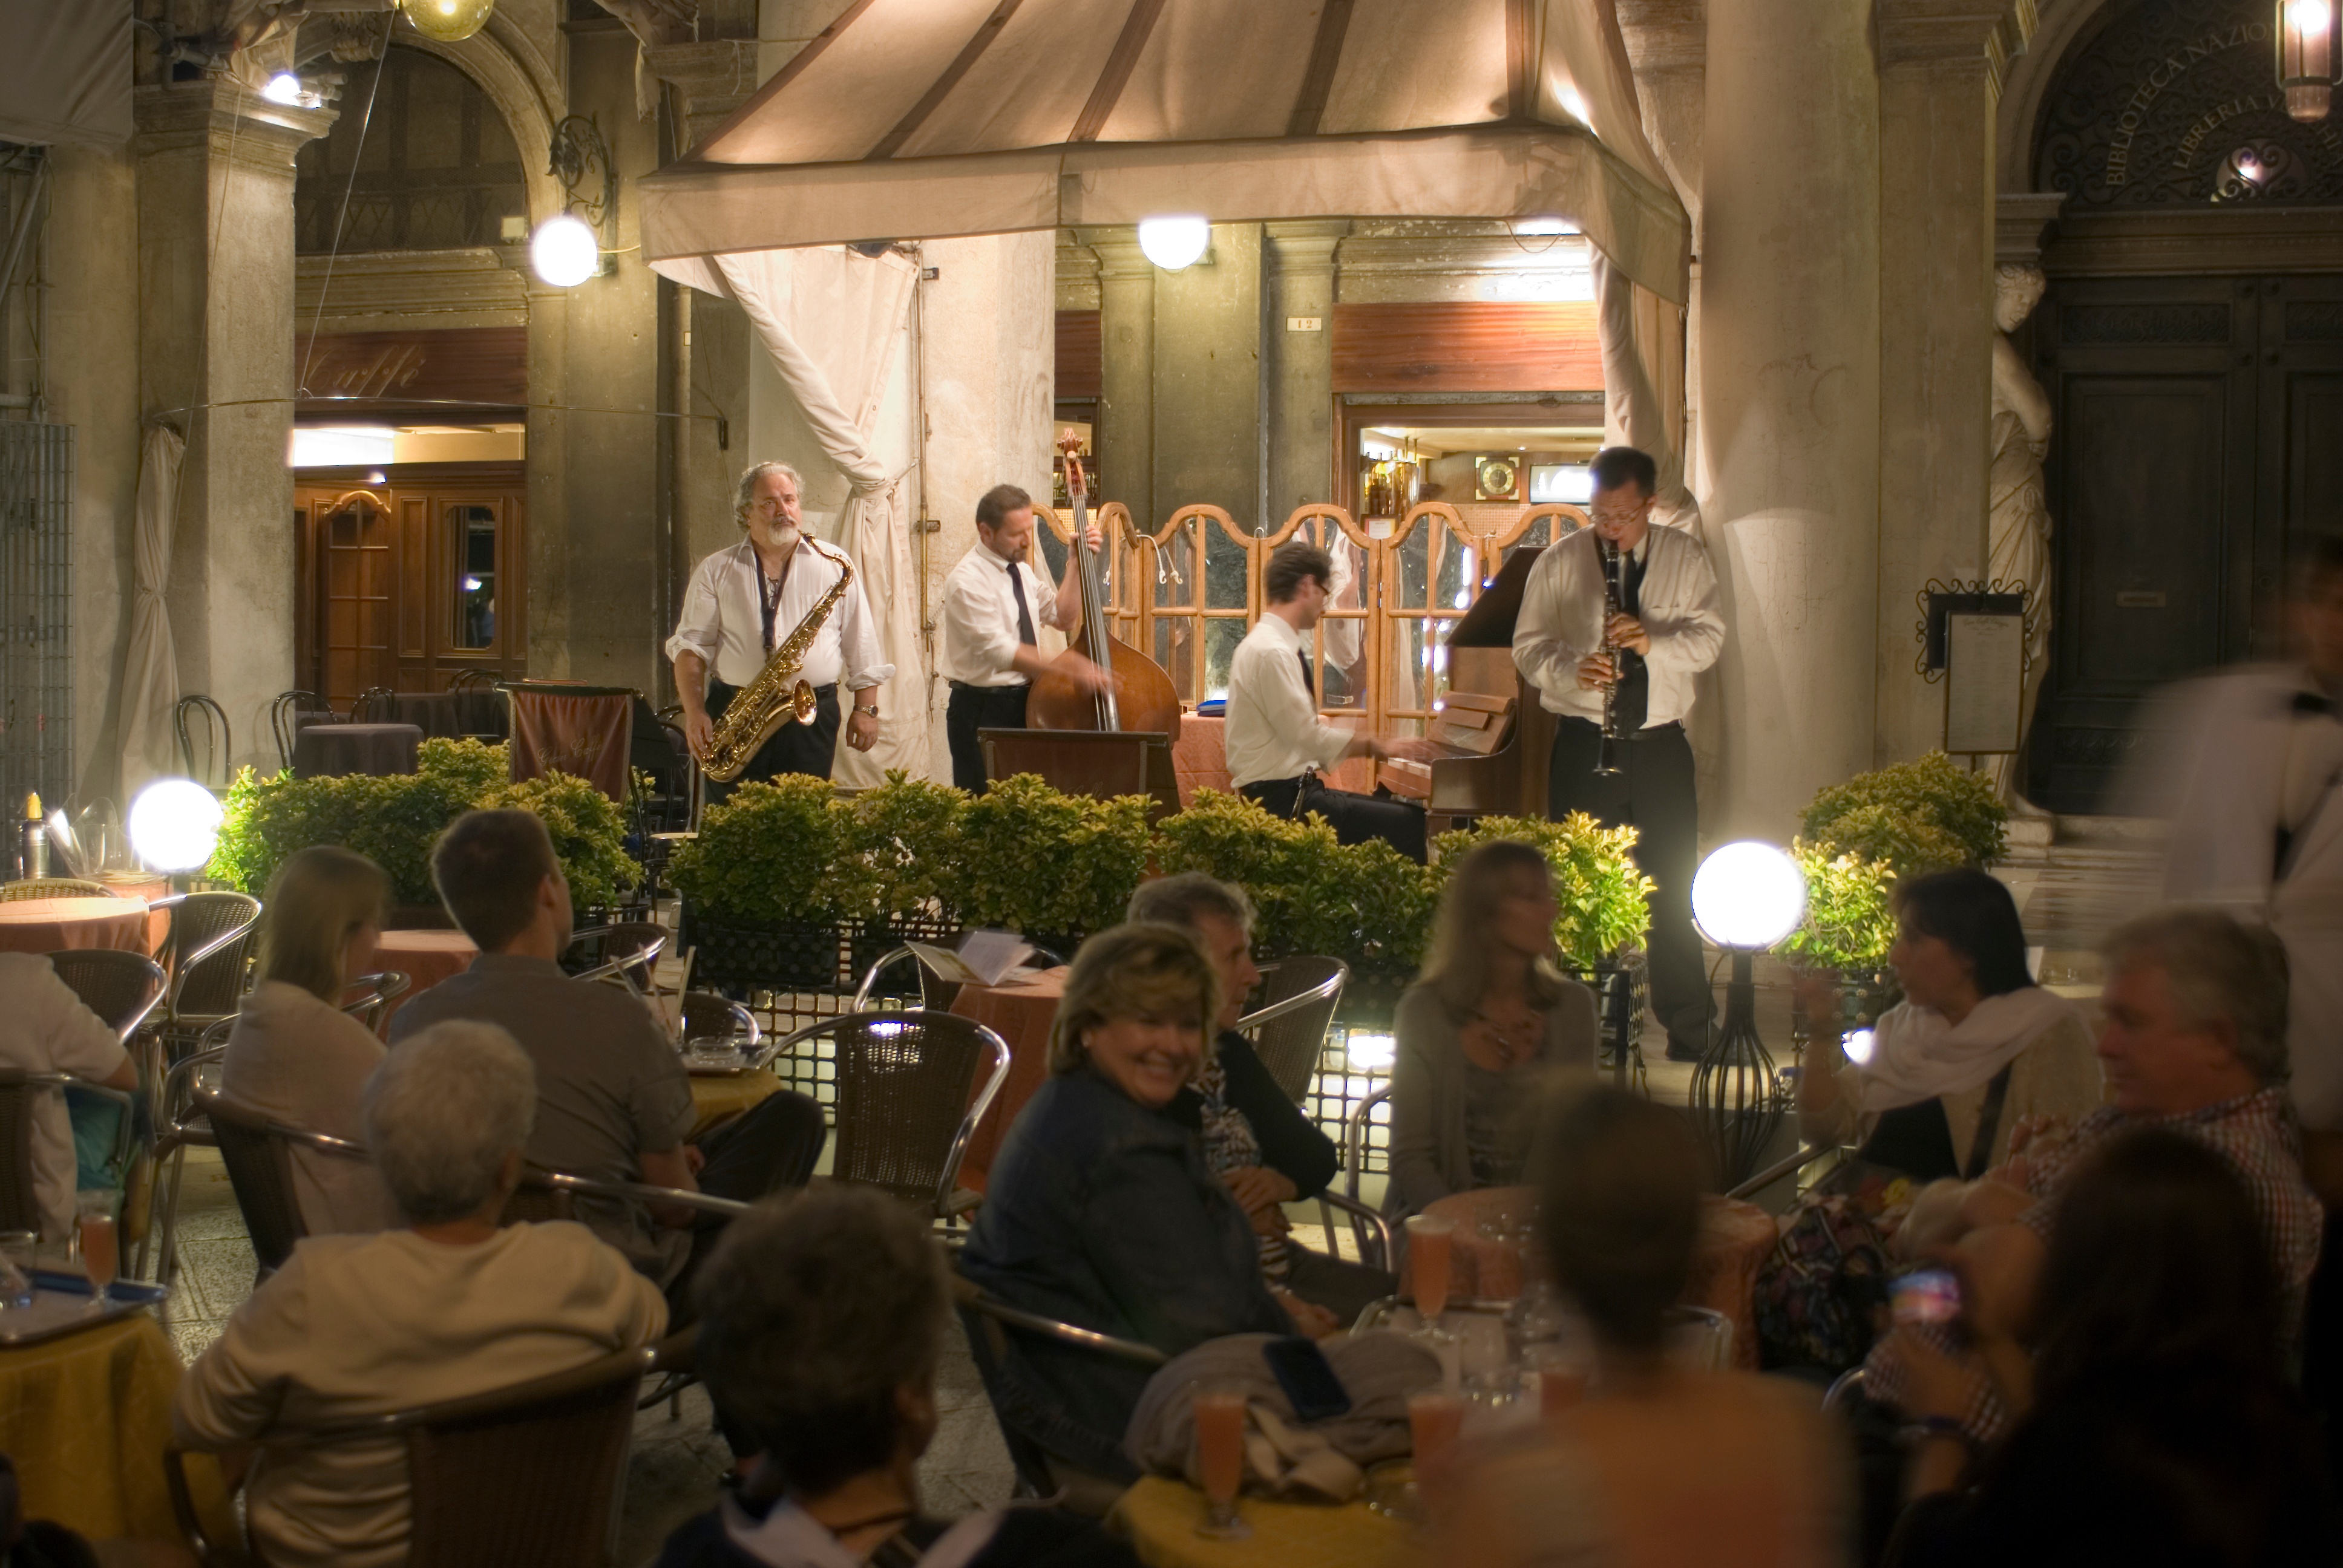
x=2309, y=57
x=448, y=21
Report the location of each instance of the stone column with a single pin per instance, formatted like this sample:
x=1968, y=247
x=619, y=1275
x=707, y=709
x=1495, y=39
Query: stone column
x=1936, y=351
x=1790, y=396
x=1301, y=364
x=1208, y=390
x=215, y=306
x=1124, y=441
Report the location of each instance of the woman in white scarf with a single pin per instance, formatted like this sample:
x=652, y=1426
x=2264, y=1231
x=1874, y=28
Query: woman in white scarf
x=1975, y=1048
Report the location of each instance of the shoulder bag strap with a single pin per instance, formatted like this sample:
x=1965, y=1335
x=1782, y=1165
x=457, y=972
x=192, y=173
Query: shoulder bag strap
x=1990, y=1122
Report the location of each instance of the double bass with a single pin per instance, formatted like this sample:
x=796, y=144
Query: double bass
x=1138, y=695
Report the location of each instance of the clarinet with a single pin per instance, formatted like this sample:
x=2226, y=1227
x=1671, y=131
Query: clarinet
x=1606, y=762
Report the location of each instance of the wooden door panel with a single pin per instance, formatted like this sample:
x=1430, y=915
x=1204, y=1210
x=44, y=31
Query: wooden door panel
x=2314, y=426
x=412, y=593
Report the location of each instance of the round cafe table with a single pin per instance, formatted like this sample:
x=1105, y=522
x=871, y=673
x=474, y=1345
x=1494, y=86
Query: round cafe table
x=325, y=751
x=719, y=1096
x=1158, y=1517
x=52, y=925
x=425, y=958
x=1490, y=1224
x=86, y=1417
x=1019, y=1011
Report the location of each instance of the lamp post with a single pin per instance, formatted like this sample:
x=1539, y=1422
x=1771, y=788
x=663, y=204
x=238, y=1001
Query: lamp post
x=1746, y=897
x=2310, y=57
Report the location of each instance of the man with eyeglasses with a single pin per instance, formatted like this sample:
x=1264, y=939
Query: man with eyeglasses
x=743, y=603
x=1666, y=630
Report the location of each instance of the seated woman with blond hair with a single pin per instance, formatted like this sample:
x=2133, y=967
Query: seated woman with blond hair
x=293, y=1054
x=447, y=1307
x=1478, y=1034
x=1659, y=1463
x=1101, y=1212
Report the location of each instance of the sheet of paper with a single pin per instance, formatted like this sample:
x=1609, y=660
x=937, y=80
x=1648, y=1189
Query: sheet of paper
x=1985, y=682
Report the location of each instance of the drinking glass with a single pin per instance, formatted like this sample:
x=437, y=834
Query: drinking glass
x=1430, y=1245
x=1220, y=1416
x=18, y=1250
x=1435, y=1418
x=94, y=1211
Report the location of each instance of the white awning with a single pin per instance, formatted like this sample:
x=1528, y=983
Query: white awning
x=913, y=119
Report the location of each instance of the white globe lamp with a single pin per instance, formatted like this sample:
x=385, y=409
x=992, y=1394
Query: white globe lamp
x=565, y=251
x=1174, y=242
x=1745, y=897
x=284, y=87
x=174, y=824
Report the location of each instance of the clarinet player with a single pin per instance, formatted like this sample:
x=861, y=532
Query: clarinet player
x=1634, y=664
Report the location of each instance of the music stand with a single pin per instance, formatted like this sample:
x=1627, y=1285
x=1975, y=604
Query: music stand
x=1100, y=763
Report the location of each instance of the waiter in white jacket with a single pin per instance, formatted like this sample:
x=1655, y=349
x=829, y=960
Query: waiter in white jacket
x=744, y=602
x=1668, y=630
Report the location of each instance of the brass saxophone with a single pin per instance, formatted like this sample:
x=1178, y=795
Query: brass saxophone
x=776, y=696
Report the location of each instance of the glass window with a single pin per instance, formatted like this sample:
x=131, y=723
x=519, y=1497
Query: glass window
x=473, y=558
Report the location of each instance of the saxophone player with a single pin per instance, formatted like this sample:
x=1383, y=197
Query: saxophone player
x=1666, y=629
x=745, y=601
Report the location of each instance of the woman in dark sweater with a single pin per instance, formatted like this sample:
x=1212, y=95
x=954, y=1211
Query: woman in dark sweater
x=2157, y=1424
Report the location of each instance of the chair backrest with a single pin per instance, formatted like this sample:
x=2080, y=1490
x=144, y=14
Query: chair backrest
x=20, y=1201
x=120, y=988
x=380, y=991
x=908, y=1097
x=988, y=1323
x=624, y=947
x=1289, y=1030
x=285, y=721
x=260, y=1169
x=196, y=715
x=210, y=936
x=52, y=888
x=374, y=705
x=936, y=993
x=708, y=1015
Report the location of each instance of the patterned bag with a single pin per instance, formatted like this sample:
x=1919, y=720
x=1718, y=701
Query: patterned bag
x=1821, y=1295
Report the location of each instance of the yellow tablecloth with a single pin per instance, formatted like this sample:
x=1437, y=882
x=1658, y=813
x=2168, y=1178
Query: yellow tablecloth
x=1159, y=1517
x=86, y=1417
x=715, y=1096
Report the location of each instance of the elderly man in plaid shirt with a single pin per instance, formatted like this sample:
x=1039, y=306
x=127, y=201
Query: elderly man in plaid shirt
x=2194, y=1040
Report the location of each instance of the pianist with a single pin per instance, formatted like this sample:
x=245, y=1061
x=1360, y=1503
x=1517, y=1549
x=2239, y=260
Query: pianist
x=1277, y=744
x=1668, y=630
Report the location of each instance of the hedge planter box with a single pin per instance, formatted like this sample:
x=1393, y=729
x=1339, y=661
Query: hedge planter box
x=874, y=939
x=738, y=956
x=1623, y=988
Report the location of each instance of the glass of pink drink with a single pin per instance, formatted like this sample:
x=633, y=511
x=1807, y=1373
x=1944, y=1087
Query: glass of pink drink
x=1431, y=1245
x=1434, y=1419
x=94, y=1234
x=1220, y=1415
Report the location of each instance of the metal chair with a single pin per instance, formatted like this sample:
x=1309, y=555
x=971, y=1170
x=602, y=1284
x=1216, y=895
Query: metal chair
x=1289, y=1032
x=627, y=950
x=205, y=952
x=120, y=988
x=374, y=705
x=377, y=992
x=904, y=1112
x=20, y=1094
x=529, y=1476
x=258, y=1154
x=544, y=1196
x=285, y=721
x=988, y=1323
x=709, y=1015
x=936, y=992
x=211, y=720
x=179, y=1126
x=52, y=888
x=1354, y=1163
x=474, y=678
x=1844, y=1389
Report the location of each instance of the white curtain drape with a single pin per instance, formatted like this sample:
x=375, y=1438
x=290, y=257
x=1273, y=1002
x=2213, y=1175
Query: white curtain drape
x=830, y=318
x=150, y=670
x=1641, y=337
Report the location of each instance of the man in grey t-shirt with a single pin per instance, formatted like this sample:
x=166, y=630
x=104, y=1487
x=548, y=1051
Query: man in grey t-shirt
x=613, y=1100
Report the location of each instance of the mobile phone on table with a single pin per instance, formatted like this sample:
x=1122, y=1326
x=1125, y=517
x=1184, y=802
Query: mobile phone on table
x=1924, y=1296
x=1308, y=1378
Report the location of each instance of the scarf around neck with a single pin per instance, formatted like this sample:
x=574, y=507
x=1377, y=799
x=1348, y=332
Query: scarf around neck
x=1916, y=1055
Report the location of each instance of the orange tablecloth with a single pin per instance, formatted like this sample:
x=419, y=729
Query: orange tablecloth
x=1734, y=1238
x=1019, y=1012
x=50, y=925
x=427, y=958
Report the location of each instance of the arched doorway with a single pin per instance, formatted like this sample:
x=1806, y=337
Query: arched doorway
x=2191, y=344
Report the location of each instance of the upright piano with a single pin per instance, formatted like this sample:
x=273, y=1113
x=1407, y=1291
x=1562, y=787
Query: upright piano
x=1498, y=738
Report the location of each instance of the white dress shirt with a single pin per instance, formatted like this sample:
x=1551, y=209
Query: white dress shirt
x=981, y=634
x=1561, y=622
x=1273, y=731
x=723, y=618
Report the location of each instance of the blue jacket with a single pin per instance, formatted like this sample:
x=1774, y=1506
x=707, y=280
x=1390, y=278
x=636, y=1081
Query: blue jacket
x=1100, y=1214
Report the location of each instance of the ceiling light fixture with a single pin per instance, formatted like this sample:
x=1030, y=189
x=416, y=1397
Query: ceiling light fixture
x=447, y=21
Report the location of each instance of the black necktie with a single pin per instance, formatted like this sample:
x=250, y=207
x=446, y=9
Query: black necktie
x=1024, y=617
x=1309, y=679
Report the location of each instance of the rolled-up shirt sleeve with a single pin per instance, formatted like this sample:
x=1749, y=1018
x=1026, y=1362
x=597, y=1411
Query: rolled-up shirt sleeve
x=701, y=628
x=857, y=642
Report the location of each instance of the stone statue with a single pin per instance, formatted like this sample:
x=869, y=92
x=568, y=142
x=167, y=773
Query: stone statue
x=2017, y=517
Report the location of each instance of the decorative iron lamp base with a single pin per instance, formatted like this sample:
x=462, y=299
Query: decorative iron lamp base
x=1736, y=1094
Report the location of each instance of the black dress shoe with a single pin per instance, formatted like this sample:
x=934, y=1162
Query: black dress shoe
x=1681, y=1050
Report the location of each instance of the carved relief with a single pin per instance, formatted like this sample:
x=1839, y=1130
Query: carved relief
x=2176, y=102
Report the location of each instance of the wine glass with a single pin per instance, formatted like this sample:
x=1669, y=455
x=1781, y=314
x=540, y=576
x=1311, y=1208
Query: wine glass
x=1219, y=1412
x=94, y=1228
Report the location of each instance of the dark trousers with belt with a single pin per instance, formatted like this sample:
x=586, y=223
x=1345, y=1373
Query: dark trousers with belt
x=1354, y=817
x=794, y=747
x=970, y=710
x=1653, y=793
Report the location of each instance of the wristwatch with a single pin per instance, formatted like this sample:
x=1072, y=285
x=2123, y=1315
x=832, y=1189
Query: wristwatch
x=873, y=710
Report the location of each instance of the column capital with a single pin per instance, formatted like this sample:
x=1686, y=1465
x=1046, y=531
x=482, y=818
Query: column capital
x=712, y=78
x=2018, y=219
x=1117, y=249
x=226, y=118
x=1307, y=243
x=1913, y=32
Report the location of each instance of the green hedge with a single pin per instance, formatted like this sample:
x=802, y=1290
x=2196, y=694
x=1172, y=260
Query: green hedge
x=1914, y=817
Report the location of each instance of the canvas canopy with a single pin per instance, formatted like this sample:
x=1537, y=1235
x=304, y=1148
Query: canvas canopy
x=913, y=119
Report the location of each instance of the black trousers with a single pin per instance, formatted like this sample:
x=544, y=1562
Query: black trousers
x=794, y=747
x=770, y=1147
x=1653, y=793
x=970, y=710
x=1354, y=817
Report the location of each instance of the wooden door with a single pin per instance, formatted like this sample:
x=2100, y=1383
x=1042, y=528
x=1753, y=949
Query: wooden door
x=357, y=582
x=2194, y=454
x=462, y=597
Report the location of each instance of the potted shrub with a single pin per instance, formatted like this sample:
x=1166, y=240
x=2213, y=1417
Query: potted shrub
x=1847, y=931
x=769, y=882
x=1370, y=905
x=1922, y=816
x=589, y=836
x=1052, y=865
x=908, y=835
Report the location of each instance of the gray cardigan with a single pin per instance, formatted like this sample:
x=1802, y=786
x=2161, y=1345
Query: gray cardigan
x=1429, y=1158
